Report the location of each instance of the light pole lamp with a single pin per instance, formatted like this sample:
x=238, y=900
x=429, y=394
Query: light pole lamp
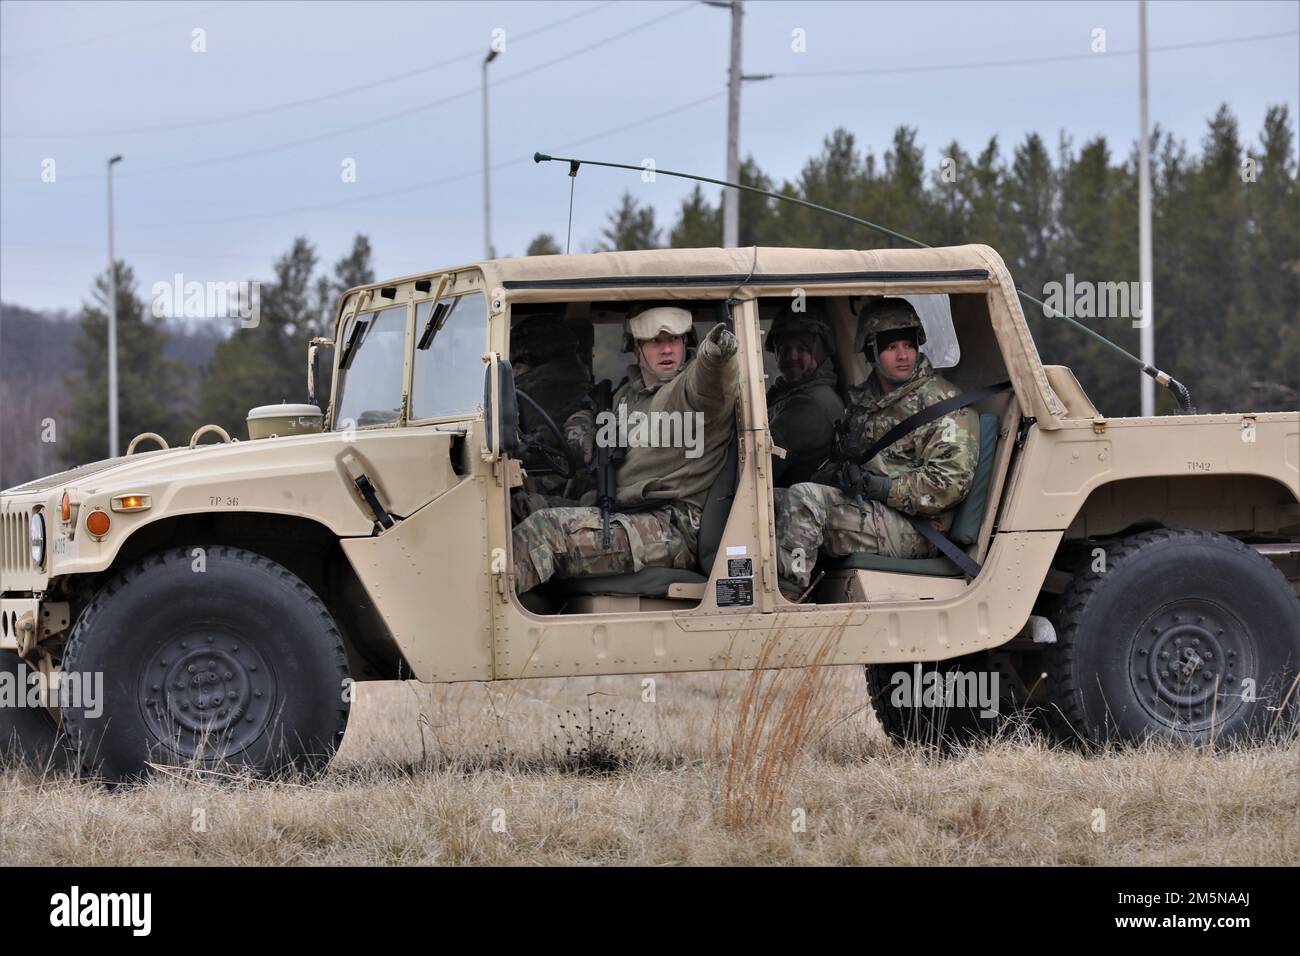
x=487, y=182
x=112, y=321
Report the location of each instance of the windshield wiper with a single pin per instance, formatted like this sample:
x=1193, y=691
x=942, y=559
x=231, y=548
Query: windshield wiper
x=437, y=319
x=354, y=339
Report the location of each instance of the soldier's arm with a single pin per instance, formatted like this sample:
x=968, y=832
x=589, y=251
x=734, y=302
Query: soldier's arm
x=713, y=378
x=949, y=451
x=803, y=430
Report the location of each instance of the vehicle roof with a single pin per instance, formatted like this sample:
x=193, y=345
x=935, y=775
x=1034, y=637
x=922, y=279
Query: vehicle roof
x=773, y=269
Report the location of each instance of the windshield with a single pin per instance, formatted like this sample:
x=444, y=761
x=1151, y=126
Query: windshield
x=370, y=368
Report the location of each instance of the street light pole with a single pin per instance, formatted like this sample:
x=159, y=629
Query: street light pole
x=487, y=181
x=112, y=321
x=1146, y=284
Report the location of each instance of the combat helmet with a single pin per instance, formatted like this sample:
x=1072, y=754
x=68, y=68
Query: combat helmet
x=887, y=314
x=788, y=321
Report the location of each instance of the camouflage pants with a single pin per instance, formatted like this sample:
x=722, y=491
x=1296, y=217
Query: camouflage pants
x=813, y=520
x=524, y=503
x=568, y=542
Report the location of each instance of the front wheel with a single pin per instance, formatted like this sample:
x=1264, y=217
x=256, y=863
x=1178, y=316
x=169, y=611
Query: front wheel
x=1179, y=634
x=205, y=657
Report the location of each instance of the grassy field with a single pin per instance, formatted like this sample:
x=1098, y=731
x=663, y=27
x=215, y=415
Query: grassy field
x=518, y=773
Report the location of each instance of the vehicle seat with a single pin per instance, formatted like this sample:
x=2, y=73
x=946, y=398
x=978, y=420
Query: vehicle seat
x=654, y=582
x=965, y=526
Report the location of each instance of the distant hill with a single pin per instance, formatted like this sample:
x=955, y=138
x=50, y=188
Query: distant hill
x=36, y=354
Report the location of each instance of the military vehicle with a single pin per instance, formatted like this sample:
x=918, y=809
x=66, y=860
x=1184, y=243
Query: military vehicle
x=1128, y=576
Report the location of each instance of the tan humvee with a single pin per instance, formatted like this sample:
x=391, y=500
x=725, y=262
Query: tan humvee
x=229, y=593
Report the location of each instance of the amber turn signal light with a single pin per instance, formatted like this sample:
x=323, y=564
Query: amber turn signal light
x=65, y=508
x=131, y=503
x=97, y=523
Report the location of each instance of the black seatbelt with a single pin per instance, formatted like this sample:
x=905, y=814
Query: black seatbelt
x=926, y=415
x=929, y=414
x=945, y=544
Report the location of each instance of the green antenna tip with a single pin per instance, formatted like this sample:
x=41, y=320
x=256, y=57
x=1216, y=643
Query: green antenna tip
x=541, y=158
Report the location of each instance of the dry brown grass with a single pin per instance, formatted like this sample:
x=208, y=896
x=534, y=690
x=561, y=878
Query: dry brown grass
x=425, y=772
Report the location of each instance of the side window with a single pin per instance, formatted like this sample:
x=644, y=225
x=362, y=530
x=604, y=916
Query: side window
x=941, y=346
x=450, y=338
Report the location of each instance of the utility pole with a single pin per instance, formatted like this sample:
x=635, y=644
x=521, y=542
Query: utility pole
x=112, y=321
x=487, y=181
x=1147, y=332
x=731, y=197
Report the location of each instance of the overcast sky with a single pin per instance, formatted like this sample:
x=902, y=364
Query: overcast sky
x=232, y=152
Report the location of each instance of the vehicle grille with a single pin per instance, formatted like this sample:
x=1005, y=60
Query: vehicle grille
x=15, y=543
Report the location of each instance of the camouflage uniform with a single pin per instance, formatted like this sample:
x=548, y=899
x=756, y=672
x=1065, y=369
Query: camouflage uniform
x=802, y=416
x=930, y=471
x=568, y=542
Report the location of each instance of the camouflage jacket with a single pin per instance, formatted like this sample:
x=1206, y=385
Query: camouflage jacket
x=676, y=433
x=932, y=467
x=802, y=420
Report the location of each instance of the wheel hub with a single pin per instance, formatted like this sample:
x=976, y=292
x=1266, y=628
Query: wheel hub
x=1187, y=662
x=208, y=692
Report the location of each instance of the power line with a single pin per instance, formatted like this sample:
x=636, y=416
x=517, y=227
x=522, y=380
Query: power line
x=109, y=36
x=427, y=184
x=280, y=107
x=401, y=114
x=1032, y=61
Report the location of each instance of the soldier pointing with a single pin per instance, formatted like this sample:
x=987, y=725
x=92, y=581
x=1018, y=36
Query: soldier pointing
x=660, y=487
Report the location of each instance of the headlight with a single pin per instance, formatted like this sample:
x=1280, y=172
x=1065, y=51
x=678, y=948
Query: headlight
x=36, y=528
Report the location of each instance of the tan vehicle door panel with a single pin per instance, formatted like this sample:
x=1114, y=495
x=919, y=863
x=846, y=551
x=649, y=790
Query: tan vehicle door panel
x=429, y=578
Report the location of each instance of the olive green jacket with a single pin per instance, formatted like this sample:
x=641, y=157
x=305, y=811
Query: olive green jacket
x=802, y=420
x=675, y=433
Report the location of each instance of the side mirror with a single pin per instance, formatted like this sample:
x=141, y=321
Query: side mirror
x=318, y=343
x=500, y=410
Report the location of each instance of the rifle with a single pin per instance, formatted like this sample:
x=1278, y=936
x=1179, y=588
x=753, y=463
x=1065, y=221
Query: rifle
x=605, y=458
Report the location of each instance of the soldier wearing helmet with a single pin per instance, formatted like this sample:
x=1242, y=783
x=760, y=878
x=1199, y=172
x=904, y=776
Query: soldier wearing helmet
x=661, y=485
x=926, y=473
x=802, y=404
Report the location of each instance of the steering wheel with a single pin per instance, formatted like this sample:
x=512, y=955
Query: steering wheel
x=556, y=456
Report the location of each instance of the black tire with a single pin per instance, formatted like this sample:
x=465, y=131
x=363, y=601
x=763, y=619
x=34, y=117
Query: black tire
x=909, y=719
x=239, y=665
x=28, y=735
x=1159, y=643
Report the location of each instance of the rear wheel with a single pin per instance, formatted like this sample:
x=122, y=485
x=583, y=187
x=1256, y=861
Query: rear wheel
x=1184, y=635
x=205, y=657
x=945, y=703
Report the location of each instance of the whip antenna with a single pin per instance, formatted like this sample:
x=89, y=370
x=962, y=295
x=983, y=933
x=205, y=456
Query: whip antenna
x=1180, y=391
x=573, y=181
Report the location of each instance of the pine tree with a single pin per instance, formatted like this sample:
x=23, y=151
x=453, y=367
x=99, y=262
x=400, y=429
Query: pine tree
x=151, y=396
x=699, y=224
x=266, y=364
x=630, y=227
x=544, y=244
